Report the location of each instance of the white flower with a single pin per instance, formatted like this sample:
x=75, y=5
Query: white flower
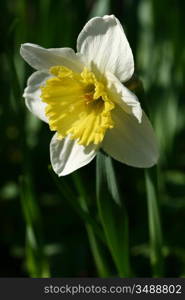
x=82, y=97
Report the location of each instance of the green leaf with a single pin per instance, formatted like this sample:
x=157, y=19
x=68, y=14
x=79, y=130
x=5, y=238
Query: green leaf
x=100, y=8
x=36, y=261
x=112, y=214
x=97, y=253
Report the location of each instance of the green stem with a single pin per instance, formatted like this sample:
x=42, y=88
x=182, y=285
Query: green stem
x=66, y=192
x=154, y=222
x=112, y=214
x=96, y=248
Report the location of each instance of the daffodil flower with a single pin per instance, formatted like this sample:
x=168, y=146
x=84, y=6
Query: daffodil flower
x=83, y=98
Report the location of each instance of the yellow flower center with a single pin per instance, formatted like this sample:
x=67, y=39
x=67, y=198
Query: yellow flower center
x=77, y=105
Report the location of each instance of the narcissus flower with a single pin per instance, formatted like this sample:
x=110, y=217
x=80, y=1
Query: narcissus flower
x=83, y=98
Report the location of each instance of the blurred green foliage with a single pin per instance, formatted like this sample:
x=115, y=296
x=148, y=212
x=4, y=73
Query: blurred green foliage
x=42, y=218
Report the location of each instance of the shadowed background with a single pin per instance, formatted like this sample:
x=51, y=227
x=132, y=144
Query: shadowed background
x=41, y=233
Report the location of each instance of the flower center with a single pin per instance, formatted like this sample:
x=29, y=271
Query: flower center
x=77, y=105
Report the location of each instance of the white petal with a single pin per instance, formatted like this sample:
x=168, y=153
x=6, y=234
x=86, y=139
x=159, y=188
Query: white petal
x=123, y=96
x=131, y=142
x=67, y=155
x=32, y=94
x=42, y=59
x=103, y=42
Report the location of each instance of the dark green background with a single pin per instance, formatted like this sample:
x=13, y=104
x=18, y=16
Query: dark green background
x=155, y=30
